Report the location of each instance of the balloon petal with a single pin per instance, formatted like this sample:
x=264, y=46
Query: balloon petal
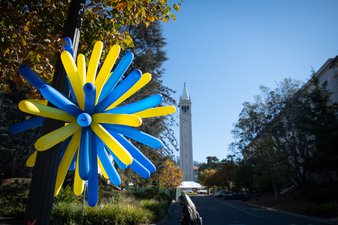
x=94, y=62
x=93, y=182
x=122, y=119
x=30, y=162
x=108, y=166
x=74, y=78
x=85, y=148
x=137, y=106
x=122, y=88
x=120, y=164
x=52, y=138
x=136, y=135
x=48, y=92
x=108, y=64
x=103, y=171
x=26, y=125
x=68, y=45
x=81, y=67
x=78, y=182
x=31, y=77
x=60, y=101
x=37, y=109
x=89, y=90
x=140, y=169
x=119, y=71
x=111, y=142
x=137, y=154
x=66, y=160
x=146, y=77
x=159, y=111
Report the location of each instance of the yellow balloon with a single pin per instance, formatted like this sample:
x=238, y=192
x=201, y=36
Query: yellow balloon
x=94, y=62
x=104, y=73
x=66, y=161
x=74, y=78
x=145, y=78
x=158, y=111
x=81, y=67
x=52, y=138
x=30, y=162
x=103, y=171
x=123, y=155
x=39, y=101
x=78, y=182
x=121, y=119
x=32, y=107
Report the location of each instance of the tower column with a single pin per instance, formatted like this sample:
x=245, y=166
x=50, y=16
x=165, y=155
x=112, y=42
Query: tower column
x=186, y=153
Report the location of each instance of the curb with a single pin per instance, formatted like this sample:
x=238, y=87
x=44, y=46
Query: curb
x=332, y=221
x=162, y=222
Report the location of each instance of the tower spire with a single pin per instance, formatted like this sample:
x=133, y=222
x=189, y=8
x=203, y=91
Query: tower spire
x=185, y=95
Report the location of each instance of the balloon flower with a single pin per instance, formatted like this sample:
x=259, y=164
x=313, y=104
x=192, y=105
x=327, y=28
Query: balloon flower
x=98, y=124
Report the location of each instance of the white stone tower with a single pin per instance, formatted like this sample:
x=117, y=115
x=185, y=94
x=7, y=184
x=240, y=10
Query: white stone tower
x=186, y=157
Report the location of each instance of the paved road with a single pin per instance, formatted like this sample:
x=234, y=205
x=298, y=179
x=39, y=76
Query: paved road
x=230, y=212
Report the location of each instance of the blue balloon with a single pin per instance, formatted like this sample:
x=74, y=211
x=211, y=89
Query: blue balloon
x=107, y=164
x=90, y=94
x=122, y=88
x=68, y=45
x=49, y=93
x=84, y=155
x=31, y=77
x=120, y=164
x=136, y=154
x=59, y=100
x=26, y=125
x=115, y=77
x=139, y=169
x=72, y=165
x=137, y=106
x=135, y=134
x=93, y=189
x=84, y=119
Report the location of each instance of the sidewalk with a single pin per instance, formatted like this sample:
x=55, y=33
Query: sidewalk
x=173, y=216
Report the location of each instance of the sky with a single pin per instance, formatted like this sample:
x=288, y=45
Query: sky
x=225, y=49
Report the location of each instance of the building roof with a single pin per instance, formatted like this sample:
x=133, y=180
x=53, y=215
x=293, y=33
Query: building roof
x=190, y=184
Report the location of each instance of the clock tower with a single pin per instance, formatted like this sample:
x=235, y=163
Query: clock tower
x=186, y=156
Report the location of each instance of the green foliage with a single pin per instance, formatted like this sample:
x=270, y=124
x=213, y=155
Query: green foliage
x=158, y=207
x=118, y=214
x=31, y=31
x=66, y=195
x=13, y=198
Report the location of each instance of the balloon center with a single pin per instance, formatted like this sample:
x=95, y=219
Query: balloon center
x=84, y=119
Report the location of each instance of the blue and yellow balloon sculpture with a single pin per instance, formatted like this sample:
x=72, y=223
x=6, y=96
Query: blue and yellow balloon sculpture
x=96, y=124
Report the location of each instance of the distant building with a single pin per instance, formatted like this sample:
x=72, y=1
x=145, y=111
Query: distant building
x=186, y=154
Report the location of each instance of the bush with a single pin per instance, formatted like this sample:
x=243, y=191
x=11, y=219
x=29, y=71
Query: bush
x=71, y=214
x=323, y=210
x=159, y=208
x=13, y=199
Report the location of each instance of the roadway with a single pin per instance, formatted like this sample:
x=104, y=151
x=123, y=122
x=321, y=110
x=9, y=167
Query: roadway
x=232, y=212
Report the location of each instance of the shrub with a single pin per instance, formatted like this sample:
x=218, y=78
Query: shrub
x=124, y=214
x=159, y=208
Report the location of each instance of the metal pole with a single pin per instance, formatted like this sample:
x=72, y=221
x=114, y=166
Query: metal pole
x=40, y=199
